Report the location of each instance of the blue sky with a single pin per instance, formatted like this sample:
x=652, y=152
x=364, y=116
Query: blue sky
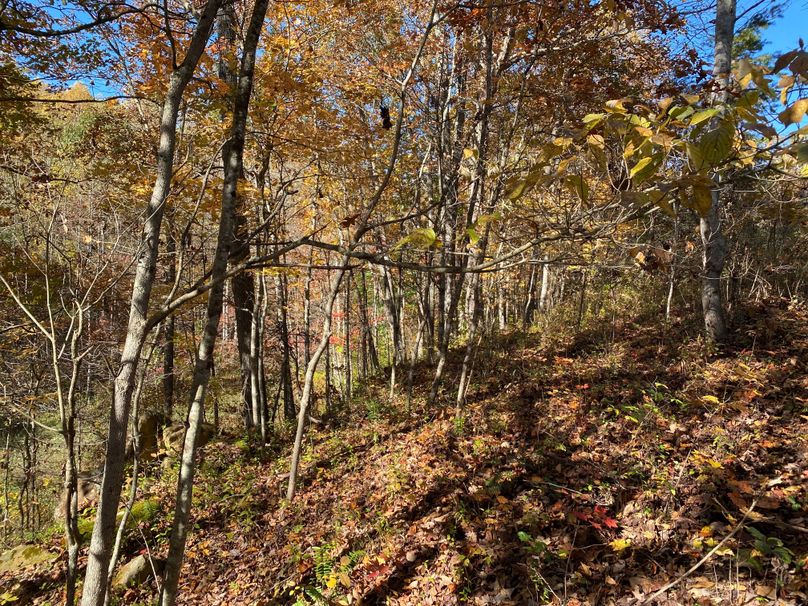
x=783, y=34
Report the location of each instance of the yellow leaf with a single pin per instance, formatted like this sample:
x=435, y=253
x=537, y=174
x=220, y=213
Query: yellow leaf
x=639, y=166
x=703, y=115
x=744, y=67
x=795, y=113
x=620, y=544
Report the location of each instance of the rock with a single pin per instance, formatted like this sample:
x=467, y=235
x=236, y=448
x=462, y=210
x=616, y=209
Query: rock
x=149, y=430
x=174, y=436
x=23, y=556
x=89, y=484
x=148, y=435
x=137, y=571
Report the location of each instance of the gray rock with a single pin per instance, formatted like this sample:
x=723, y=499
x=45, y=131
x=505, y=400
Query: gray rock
x=23, y=556
x=88, y=485
x=174, y=436
x=137, y=571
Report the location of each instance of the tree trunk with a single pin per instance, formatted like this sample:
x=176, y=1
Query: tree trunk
x=289, y=411
x=95, y=580
x=309, y=378
x=233, y=170
x=712, y=238
x=347, y=331
x=545, y=283
x=169, y=331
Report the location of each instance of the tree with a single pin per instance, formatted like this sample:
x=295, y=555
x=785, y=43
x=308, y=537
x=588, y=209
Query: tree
x=710, y=226
x=95, y=581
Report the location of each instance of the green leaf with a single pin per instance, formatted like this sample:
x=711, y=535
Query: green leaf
x=680, y=112
x=634, y=198
x=519, y=187
x=702, y=203
x=592, y=120
x=703, y=115
x=423, y=237
x=695, y=156
x=800, y=152
x=666, y=207
x=577, y=184
x=639, y=166
x=716, y=144
x=644, y=168
x=748, y=99
x=484, y=220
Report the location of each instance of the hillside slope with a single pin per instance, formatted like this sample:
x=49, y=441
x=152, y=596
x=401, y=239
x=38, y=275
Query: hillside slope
x=580, y=473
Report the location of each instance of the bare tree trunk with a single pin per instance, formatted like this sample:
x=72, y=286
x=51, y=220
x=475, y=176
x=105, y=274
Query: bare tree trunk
x=309, y=378
x=372, y=362
x=545, y=283
x=347, y=332
x=450, y=286
x=582, y=299
x=715, y=248
x=6, y=480
x=530, y=299
x=241, y=285
x=672, y=278
x=392, y=307
x=95, y=580
x=233, y=170
x=289, y=411
x=168, y=347
x=261, y=386
x=257, y=320
x=307, y=309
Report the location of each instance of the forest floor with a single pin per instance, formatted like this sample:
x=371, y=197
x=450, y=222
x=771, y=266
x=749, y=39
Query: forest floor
x=582, y=471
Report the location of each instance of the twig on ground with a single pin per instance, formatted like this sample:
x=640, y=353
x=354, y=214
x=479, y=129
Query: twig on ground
x=701, y=562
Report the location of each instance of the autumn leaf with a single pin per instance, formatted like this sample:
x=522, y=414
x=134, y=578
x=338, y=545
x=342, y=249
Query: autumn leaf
x=795, y=113
x=619, y=545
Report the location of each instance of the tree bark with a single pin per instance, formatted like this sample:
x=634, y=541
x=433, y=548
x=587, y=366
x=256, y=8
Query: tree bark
x=233, y=170
x=289, y=411
x=169, y=332
x=95, y=580
x=714, y=244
